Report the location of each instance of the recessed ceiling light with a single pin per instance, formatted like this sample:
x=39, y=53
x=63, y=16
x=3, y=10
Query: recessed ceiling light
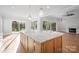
x=47, y=7
x=12, y=7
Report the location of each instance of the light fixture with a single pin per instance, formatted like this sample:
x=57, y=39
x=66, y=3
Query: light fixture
x=12, y=7
x=41, y=14
x=47, y=6
x=29, y=14
x=29, y=17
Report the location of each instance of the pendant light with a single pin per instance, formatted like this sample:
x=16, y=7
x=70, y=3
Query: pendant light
x=29, y=14
x=41, y=13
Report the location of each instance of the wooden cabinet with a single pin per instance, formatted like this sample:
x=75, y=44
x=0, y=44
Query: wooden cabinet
x=30, y=44
x=70, y=43
x=37, y=47
x=58, y=44
x=24, y=41
x=49, y=46
x=22, y=48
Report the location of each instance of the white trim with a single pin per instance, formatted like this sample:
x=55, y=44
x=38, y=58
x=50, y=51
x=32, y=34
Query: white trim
x=1, y=36
x=6, y=34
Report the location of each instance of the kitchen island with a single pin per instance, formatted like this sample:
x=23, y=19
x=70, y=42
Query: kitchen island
x=45, y=42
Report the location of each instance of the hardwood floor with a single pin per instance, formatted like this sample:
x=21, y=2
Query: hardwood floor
x=10, y=43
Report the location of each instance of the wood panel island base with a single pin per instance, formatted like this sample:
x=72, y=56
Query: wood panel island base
x=42, y=43
x=53, y=45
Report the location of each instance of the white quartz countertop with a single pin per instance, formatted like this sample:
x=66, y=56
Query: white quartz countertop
x=43, y=36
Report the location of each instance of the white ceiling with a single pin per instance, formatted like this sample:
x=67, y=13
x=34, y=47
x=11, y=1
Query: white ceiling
x=24, y=10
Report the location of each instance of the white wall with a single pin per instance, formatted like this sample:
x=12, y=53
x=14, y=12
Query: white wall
x=70, y=22
x=7, y=26
x=28, y=25
x=1, y=27
x=0, y=24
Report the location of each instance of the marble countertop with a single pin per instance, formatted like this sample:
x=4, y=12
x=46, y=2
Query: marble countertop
x=43, y=36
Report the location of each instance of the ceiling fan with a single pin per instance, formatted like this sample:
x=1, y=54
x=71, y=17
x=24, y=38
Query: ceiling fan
x=69, y=13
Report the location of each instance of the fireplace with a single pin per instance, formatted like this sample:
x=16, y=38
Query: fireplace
x=72, y=30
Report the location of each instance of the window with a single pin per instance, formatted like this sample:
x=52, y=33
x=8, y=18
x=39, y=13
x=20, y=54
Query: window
x=18, y=26
x=34, y=25
x=44, y=25
x=22, y=26
x=15, y=26
x=53, y=26
x=47, y=25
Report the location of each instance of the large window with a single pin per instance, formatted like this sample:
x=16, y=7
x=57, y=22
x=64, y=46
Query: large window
x=22, y=26
x=18, y=26
x=34, y=25
x=47, y=25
